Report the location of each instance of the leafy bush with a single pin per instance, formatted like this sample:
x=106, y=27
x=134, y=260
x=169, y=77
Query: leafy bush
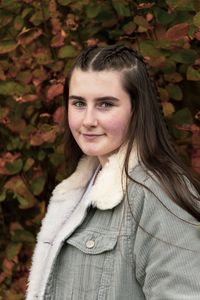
x=38, y=42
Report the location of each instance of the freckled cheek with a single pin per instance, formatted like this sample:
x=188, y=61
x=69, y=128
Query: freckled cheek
x=73, y=123
x=117, y=127
x=73, y=120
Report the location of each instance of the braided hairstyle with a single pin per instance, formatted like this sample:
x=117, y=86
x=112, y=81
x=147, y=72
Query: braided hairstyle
x=147, y=128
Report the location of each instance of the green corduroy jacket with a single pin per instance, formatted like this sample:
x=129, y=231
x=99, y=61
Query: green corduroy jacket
x=107, y=246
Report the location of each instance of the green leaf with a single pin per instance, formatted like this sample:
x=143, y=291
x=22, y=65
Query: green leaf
x=196, y=19
x=18, y=23
x=92, y=10
x=168, y=109
x=26, y=12
x=39, y=18
x=28, y=164
x=89, y=31
x=122, y=8
x=3, y=196
x=38, y=185
x=129, y=27
x=7, y=46
x=67, y=52
x=20, y=191
x=182, y=116
x=196, y=5
x=185, y=56
x=5, y=18
x=169, y=66
x=180, y=4
x=15, y=167
x=175, y=92
x=141, y=21
x=182, y=16
x=11, y=88
x=193, y=74
x=24, y=203
x=147, y=48
x=13, y=250
x=11, y=5
x=56, y=159
x=164, y=95
x=41, y=155
x=15, y=144
x=173, y=77
x=106, y=15
x=162, y=16
x=22, y=236
x=64, y=2
x=77, y=5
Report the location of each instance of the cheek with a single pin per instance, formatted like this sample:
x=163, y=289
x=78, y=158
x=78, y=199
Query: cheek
x=118, y=126
x=72, y=121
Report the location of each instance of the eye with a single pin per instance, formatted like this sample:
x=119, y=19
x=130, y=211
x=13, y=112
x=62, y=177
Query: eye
x=106, y=104
x=78, y=104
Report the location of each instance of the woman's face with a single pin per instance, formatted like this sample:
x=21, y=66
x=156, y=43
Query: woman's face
x=99, y=112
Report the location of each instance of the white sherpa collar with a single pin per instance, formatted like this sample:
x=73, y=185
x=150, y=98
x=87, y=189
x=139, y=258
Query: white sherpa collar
x=109, y=187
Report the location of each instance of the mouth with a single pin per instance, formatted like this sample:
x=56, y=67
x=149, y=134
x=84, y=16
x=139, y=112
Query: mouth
x=91, y=136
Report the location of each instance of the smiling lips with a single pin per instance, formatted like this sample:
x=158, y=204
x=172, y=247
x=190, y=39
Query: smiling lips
x=91, y=136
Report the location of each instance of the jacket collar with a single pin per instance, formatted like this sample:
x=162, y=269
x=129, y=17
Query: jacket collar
x=109, y=187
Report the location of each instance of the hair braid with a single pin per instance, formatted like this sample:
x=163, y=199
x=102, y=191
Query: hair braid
x=157, y=95
x=85, y=57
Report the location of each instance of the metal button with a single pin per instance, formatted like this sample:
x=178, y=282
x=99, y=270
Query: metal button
x=90, y=244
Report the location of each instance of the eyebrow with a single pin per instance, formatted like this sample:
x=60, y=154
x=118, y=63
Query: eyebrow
x=73, y=97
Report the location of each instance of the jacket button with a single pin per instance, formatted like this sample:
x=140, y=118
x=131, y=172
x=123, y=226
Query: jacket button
x=90, y=244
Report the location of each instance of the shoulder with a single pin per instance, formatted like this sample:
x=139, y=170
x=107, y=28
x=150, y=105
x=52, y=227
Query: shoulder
x=153, y=193
x=158, y=215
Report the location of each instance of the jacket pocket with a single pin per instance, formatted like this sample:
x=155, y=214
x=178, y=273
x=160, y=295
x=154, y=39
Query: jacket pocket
x=93, y=242
x=86, y=264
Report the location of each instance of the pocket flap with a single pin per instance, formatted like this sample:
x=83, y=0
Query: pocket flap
x=93, y=242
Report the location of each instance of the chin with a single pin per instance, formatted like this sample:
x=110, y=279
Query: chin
x=92, y=152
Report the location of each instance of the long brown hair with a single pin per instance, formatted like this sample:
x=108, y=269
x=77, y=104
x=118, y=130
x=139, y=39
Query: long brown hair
x=147, y=128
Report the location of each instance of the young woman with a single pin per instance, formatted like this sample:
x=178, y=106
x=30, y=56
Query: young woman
x=124, y=224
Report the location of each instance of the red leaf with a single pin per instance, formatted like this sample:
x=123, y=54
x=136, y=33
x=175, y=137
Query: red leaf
x=26, y=98
x=4, y=111
x=17, y=126
x=177, y=32
x=5, y=159
x=196, y=160
x=145, y=5
x=2, y=277
x=189, y=127
x=197, y=35
x=58, y=115
x=58, y=39
x=38, y=138
x=149, y=17
x=197, y=116
x=54, y=90
x=50, y=136
x=28, y=35
x=8, y=267
x=17, y=185
x=92, y=42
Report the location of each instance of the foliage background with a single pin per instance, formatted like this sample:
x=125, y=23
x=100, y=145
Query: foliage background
x=38, y=42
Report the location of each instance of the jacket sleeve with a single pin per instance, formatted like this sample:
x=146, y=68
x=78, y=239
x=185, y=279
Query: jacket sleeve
x=167, y=249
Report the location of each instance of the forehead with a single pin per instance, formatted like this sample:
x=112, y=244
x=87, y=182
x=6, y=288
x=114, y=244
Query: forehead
x=96, y=82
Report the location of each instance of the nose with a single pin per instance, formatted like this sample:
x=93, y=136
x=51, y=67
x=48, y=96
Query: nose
x=90, y=118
